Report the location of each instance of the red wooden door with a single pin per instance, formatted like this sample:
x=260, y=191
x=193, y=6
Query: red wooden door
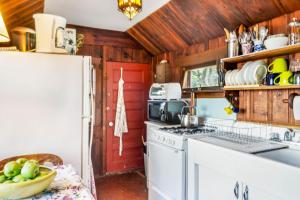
x=136, y=87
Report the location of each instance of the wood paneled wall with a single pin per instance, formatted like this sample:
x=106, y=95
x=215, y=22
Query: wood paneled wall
x=256, y=106
x=105, y=45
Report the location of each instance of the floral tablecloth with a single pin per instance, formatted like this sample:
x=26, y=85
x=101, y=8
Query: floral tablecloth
x=67, y=185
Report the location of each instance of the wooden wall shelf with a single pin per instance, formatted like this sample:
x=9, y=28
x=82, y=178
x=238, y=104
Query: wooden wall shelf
x=260, y=87
x=263, y=54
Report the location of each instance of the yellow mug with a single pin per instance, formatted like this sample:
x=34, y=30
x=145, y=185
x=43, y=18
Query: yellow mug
x=279, y=65
x=285, y=78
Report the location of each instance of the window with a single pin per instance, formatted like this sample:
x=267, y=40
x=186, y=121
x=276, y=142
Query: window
x=201, y=77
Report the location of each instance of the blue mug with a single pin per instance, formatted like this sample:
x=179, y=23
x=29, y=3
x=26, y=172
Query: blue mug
x=270, y=79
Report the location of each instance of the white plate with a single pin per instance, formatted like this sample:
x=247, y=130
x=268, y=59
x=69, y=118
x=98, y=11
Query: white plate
x=253, y=70
x=233, y=77
x=227, y=76
x=247, y=67
x=260, y=71
x=245, y=71
x=239, y=78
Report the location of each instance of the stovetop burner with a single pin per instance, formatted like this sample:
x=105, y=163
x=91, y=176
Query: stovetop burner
x=188, y=131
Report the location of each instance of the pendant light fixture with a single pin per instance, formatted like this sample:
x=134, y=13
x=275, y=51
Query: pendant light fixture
x=130, y=8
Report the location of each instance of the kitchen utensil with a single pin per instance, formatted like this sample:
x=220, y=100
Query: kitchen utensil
x=232, y=47
x=294, y=31
x=270, y=79
x=285, y=78
x=295, y=65
x=28, y=188
x=23, y=38
x=279, y=65
x=296, y=107
x=227, y=34
x=263, y=32
x=50, y=31
x=241, y=29
x=256, y=27
x=297, y=78
x=276, y=41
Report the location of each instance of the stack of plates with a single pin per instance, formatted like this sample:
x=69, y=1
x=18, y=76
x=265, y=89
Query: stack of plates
x=252, y=73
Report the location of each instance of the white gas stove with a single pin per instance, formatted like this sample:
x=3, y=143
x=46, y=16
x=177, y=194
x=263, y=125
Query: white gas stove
x=167, y=151
x=174, y=137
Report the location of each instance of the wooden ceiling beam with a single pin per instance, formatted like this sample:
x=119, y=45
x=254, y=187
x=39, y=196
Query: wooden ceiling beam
x=181, y=23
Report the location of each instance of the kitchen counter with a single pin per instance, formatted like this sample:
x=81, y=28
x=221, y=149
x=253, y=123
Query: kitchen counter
x=234, y=174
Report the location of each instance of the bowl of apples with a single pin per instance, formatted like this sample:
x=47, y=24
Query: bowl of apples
x=24, y=178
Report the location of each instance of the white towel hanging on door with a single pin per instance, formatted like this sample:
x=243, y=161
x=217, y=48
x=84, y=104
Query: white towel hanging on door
x=120, y=120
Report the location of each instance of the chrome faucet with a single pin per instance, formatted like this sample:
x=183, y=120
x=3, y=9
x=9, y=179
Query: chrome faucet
x=289, y=135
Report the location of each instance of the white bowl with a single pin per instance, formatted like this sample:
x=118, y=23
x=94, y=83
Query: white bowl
x=276, y=42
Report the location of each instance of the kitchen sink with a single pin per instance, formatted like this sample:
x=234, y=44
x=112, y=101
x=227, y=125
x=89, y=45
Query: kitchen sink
x=287, y=156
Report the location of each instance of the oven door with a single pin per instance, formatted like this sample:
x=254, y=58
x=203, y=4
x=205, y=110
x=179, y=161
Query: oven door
x=166, y=173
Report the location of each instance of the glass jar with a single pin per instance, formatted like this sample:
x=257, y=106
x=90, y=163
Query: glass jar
x=295, y=65
x=294, y=31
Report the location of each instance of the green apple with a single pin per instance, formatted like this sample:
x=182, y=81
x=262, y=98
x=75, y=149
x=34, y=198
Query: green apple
x=12, y=169
x=19, y=178
x=21, y=161
x=8, y=181
x=30, y=170
x=35, y=161
x=2, y=178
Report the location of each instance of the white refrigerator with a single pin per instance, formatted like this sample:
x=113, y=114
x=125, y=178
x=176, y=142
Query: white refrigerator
x=46, y=106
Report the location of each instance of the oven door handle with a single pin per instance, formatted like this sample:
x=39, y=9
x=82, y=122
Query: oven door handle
x=161, y=144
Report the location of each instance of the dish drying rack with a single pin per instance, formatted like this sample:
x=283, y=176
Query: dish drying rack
x=236, y=132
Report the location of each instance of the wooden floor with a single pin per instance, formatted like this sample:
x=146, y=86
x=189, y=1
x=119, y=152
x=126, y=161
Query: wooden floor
x=131, y=186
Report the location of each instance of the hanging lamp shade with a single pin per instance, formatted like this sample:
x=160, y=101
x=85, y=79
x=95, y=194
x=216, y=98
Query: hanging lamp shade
x=130, y=8
x=4, y=37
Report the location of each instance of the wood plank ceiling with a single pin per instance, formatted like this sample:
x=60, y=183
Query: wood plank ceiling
x=181, y=23
x=19, y=12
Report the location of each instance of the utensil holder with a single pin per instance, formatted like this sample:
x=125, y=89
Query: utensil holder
x=232, y=48
x=246, y=48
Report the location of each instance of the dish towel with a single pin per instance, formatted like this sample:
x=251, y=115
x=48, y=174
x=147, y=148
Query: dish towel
x=120, y=120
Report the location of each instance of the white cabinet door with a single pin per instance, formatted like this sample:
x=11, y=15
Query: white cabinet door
x=211, y=185
x=256, y=194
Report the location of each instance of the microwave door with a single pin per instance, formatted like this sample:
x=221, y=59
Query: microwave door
x=155, y=110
